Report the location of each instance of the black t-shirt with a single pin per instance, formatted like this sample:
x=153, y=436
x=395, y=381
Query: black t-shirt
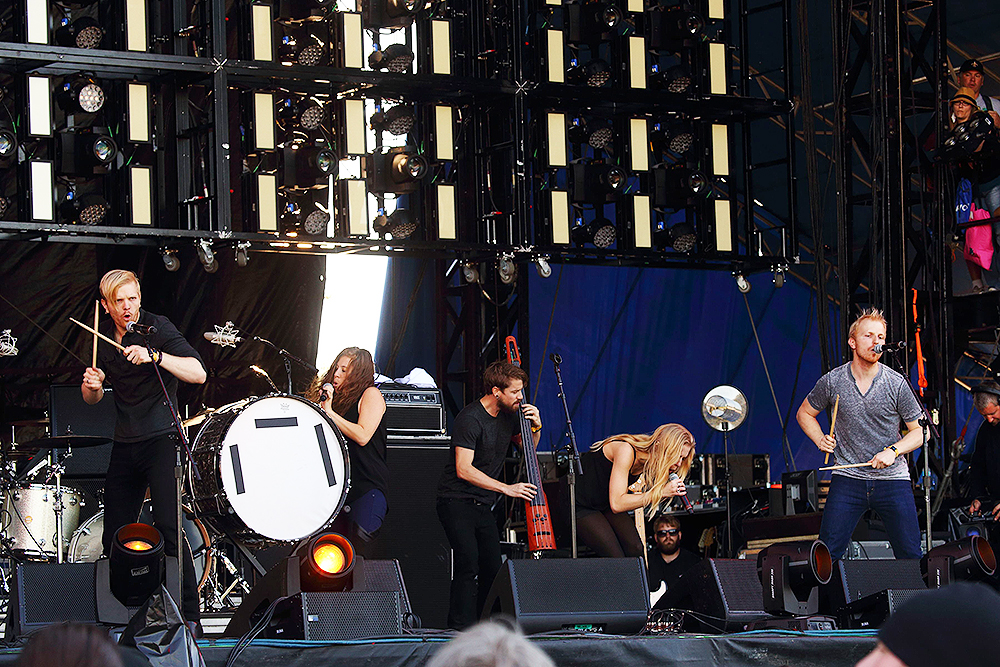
x=141, y=410
x=984, y=470
x=369, y=469
x=593, y=487
x=489, y=437
x=669, y=572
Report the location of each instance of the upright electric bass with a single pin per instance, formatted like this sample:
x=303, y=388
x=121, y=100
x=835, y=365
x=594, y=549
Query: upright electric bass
x=540, y=535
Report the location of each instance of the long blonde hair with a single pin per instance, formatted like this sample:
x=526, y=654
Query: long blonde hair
x=664, y=447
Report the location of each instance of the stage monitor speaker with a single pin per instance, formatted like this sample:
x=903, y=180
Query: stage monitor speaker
x=70, y=415
x=724, y=593
x=856, y=579
x=871, y=611
x=411, y=532
x=45, y=593
x=604, y=594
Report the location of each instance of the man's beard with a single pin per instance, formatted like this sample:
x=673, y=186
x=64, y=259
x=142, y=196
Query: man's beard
x=670, y=550
x=510, y=409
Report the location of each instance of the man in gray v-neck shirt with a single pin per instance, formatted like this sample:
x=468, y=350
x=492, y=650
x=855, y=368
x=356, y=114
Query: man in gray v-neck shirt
x=874, y=400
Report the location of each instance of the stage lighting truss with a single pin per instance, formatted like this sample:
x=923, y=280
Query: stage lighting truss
x=593, y=22
x=396, y=58
x=599, y=232
x=399, y=224
x=599, y=135
x=82, y=94
x=677, y=186
x=397, y=120
x=398, y=170
x=673, y=28
x=87, y=152
x=84, y=209
x=389, y=13
x=596, y=182
x=83, y=33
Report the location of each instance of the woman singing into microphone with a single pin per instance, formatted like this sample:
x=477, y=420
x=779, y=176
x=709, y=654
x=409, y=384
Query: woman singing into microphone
x=347, y=393
x=610, y=467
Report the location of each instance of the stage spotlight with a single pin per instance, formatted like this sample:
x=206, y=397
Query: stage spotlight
x=670, y=28
x=136, y=563
x=304, y=49
x=308, y=166
x=395, y=58
x=593, y=23
x=326, y=563
x=399, y=170
x=680, y=237
x=304, y=113
x=8, y=142
x=396, y=121
x=206, y=255
x=595, y=73
x=88, y=151
x=81, y=94
x=600, y=232
x=677, y=138
x=83, y=33
x=88, y=209
x=676, y=79
x=596, y=134
x=791, y=573
x=470, y=271
x=389, y=13
x=543, y=267
x=399, y=224
x=597, y=182
x=316, y=223
x=970, y=558
x=170, y=261
x=507, y=269
x=674, y=186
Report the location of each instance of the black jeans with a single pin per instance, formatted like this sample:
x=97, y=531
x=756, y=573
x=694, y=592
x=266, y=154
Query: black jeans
x=472, y=532
x=133, y=467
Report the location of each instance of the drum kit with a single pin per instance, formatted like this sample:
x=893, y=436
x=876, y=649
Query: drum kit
x=266, y=471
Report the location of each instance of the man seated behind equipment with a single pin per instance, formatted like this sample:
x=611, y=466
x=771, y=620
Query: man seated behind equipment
x=984, y=470
x=667, y=560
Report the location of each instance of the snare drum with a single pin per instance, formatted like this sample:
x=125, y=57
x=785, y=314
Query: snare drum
x=273, y=469
x=29, y=519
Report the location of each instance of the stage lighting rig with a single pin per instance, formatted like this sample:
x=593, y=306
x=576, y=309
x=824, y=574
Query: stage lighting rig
x=82, y=94
x=970, y=558
x=399, y=224
x=397, y=121
x=593, y=22
x=8, y=142
x=673, y=28
x=389, y=13
x=470, y=271
x=676, y=139
x=308, y=165
x=680, y=236
x=83, y=33
x=791, y=574
x=136, y=563
x=599, y=135
x=302, y=48
x=86, y=209
x=397, y=58
x=596, y=182
x=398, y=170
x=305, y=114
x=88, y=151
x=675, y=79
x=600, y=232
x=676, y=186
x=594, y=73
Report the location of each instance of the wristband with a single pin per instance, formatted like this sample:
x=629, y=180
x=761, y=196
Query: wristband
x=894, y=450
x=535, y=429
x=156, y=356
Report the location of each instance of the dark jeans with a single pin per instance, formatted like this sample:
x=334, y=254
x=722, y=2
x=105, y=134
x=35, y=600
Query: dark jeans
x=472, y=532
x=849, y=498
x=133, y=467
x=361, y=520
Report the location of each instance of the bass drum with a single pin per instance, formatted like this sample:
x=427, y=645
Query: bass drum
x=86, y=545
x=270, y=470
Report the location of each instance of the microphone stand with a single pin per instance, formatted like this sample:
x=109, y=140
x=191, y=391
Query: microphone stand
x=575, y=467
x=287, y=357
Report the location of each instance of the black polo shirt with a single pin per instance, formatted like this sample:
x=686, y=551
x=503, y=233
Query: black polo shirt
x=139, y=403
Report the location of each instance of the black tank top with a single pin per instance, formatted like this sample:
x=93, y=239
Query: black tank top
x=592, y=489
x=369, y=469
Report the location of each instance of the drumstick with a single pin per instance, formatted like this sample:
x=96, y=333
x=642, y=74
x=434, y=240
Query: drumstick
x=848, y=465
x=97, y=314
x=98, y=334
x=833, y=422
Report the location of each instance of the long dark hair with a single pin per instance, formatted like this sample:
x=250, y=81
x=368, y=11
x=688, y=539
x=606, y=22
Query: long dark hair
x=360, y=376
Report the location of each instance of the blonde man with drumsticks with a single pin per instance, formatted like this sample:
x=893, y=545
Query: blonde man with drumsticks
x=870, y=471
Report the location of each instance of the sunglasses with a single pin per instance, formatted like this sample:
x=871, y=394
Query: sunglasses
x=670, y=531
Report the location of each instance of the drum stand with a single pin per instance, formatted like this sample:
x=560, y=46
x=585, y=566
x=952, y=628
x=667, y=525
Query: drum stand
x=56, y=470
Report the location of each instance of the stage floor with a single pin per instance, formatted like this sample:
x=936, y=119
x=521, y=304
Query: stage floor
x=826, y=649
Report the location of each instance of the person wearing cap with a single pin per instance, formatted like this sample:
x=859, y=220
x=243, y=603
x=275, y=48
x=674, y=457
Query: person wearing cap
x=971, y=75
x=984, y=469
x=958, y=624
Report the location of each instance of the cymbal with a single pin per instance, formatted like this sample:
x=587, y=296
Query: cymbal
x=198, y=418
x=65, y=441
x=19, y=452
x=43, y=421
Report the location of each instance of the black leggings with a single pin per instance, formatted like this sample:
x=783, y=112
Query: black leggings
x=611, y=535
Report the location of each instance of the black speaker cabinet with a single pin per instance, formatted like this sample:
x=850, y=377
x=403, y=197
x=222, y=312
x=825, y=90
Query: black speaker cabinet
x=411, y=532
x=70, y=415
x=606, y=594
x=725, y=589
x=46, y=593
x=871, y=611
x=856, y=579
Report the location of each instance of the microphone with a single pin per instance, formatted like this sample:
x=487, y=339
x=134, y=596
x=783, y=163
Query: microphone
x=890, y=347
x=141, y=329
x=556, y=359
x=684, y=499
x=8, y=344
x=222, y=338
x=325, y=391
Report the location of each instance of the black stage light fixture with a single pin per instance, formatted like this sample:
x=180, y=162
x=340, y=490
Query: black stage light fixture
x=302, y=10
x=596, y=182
x=677, y=138
x=791, y=574
x=136, y=563
x=680, y=236
x=963, y=141
x=89, y=209
x=87, y=151
x=396, y=58
x=316, y=223
x=326, y=563
x=399, y=224
x=675, y=186
x=8, y=142
x=308, y=165
x=970, y=558
x=595, y=73
x=599, y=135
x=671, y=28
x=396, y=121
x=81, y=94
x=83, y=33
x=389, y=13
x=170, y=261
x=398, y=170
x=303, y=113
x=600, y=232
x=676, y=79
x=593, y=22
x=302, y=48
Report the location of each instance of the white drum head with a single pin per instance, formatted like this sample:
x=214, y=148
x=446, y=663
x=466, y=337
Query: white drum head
x=283, y=469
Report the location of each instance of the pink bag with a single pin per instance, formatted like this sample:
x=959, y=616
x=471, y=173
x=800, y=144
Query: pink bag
x=979, y=239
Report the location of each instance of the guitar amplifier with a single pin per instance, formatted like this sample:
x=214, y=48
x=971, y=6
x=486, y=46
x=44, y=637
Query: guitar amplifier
x=410, y=411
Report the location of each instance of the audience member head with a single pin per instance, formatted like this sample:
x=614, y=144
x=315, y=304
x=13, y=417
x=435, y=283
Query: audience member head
x=956, y=624
x=963, y=103
x=986, y=398
x=490, y=644
x=70, y=645
x=970, y=75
